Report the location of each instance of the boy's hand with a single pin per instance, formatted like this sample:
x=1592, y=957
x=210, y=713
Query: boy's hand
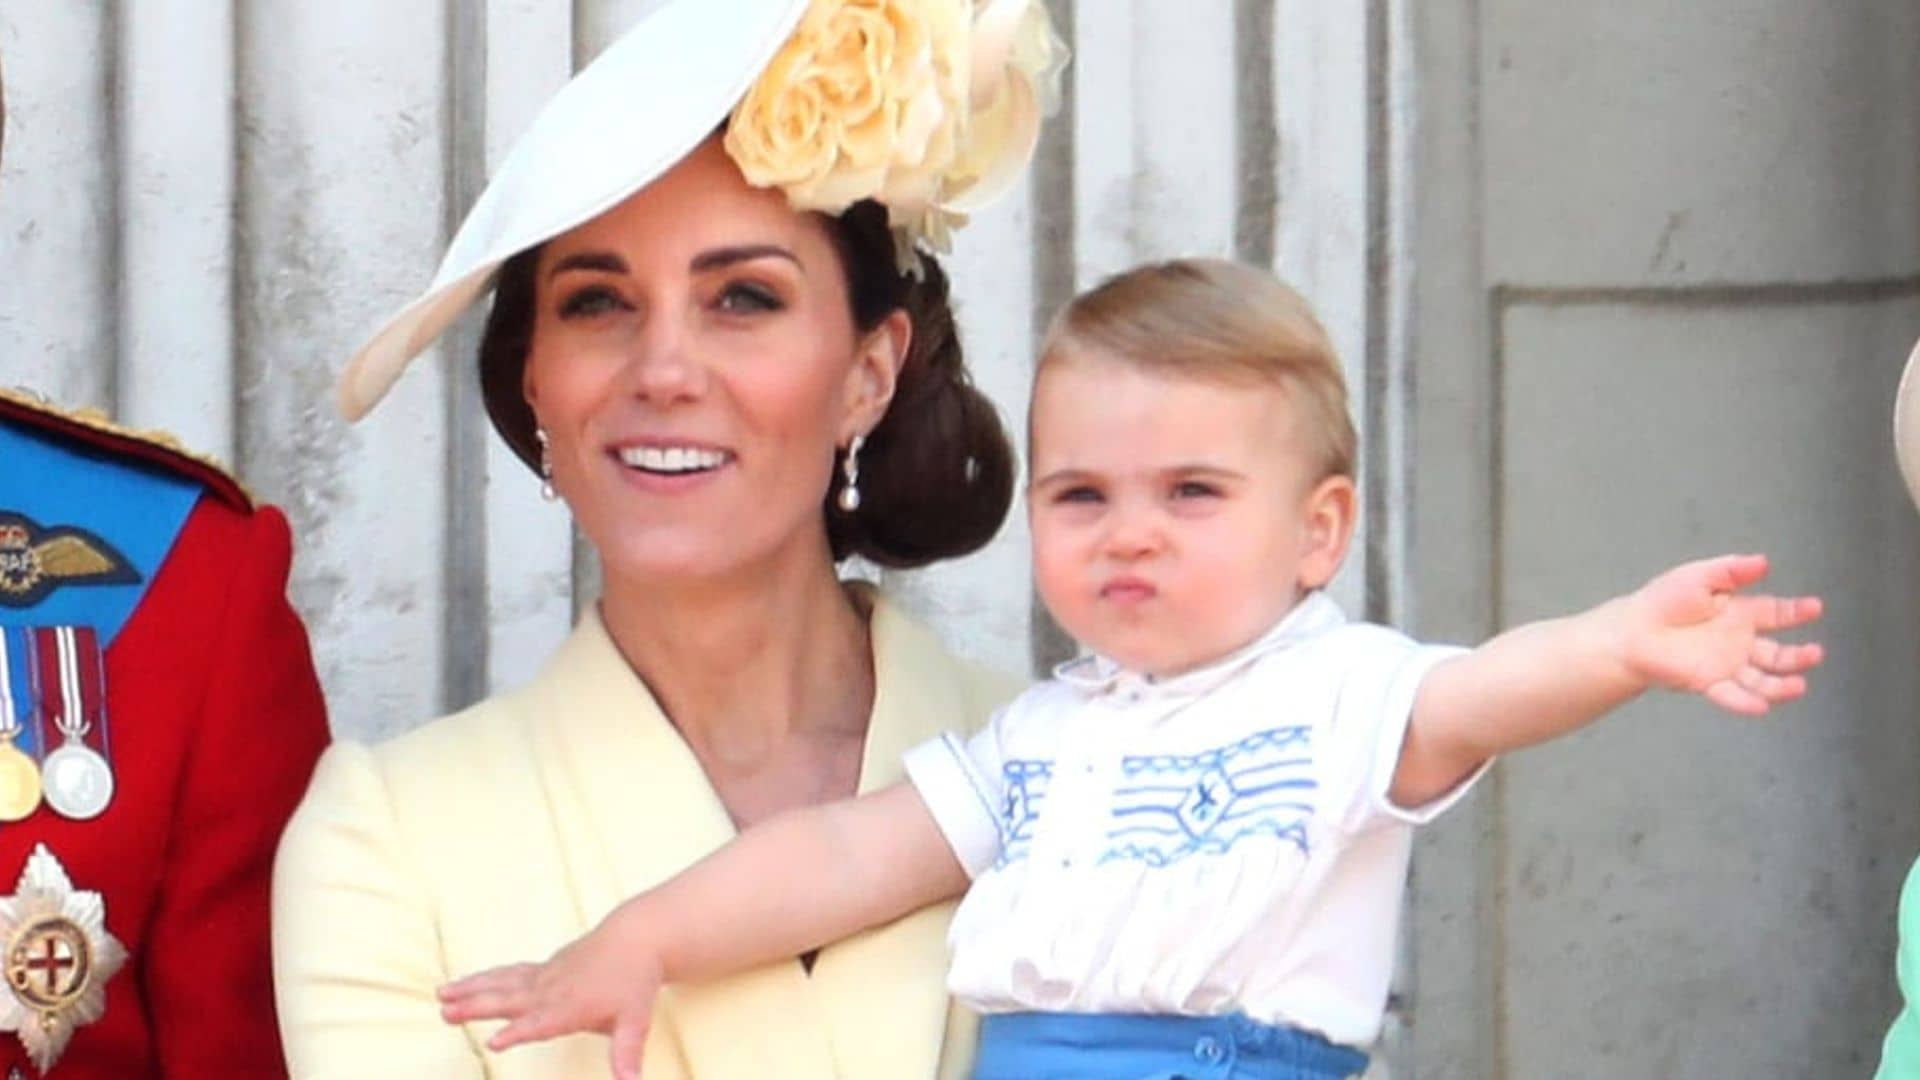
x=592, y=984
x=1692, y=629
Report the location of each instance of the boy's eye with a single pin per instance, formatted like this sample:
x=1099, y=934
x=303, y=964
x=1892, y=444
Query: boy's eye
x=590, y=301
x=746, y=298
x=1078, y=494
x=1194, y=489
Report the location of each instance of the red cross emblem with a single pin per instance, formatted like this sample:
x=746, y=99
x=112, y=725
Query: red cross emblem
x=48, y=963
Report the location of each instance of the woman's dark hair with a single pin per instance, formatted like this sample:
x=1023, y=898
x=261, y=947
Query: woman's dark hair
x=936, y=474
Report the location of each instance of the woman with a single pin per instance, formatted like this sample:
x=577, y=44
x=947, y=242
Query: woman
x=1900, y=1052
x=732, y=359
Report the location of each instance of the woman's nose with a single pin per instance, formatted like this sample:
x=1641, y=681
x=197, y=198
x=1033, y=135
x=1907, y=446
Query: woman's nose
x=662, y=364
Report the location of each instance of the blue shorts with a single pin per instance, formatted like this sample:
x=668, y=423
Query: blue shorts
x=1110, y=1046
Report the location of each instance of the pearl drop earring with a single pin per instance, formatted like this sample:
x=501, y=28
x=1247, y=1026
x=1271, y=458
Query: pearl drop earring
x=546, y=465
x=849, y=499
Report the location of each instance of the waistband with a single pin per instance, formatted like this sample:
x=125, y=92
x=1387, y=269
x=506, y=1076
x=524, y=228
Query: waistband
x=1108, y=1046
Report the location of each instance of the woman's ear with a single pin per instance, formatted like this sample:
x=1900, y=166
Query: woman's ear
x=527, y=389
x=876, y=373
x=1330, y=511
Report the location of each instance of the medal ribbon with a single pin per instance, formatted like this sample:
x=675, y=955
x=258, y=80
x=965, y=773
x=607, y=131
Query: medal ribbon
x=17, y=712
x=72, y=683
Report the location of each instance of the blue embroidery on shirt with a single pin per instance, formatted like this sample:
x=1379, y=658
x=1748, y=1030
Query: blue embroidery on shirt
x=1025, y=792
x=1206, y=803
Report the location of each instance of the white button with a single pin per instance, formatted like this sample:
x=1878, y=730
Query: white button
x=1207, y=1050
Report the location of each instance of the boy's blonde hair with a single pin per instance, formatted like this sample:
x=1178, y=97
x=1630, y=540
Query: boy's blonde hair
x=1215, y=319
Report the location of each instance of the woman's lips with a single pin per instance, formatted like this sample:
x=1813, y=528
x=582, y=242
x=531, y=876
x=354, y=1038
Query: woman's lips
x=669, y=467
x=672, y=458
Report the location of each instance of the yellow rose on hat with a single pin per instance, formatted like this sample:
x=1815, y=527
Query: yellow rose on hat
x=930, y=107
x=864, y=99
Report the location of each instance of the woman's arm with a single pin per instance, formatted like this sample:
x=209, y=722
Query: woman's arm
x=1688, y=629
x=355, y=951
x=795, y=882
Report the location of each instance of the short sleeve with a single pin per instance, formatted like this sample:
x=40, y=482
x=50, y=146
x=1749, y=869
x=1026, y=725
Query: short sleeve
x=960, y=784
x=1381, y=677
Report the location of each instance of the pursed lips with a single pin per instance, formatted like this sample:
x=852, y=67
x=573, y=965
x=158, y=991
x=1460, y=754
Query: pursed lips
x=1128, y=589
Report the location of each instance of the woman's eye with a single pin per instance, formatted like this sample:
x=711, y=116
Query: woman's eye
x=748, y=299
x=591, y=301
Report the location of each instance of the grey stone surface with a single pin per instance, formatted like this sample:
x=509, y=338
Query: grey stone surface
x=1685, y=893
x=1736, y=140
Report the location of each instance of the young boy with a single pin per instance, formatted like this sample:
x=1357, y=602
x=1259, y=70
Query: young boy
x=1192, y=843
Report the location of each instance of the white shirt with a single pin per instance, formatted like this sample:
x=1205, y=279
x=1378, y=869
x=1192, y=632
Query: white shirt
x=1216, y=842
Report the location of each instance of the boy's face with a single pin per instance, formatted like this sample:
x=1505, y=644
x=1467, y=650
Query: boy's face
x=1174, y=519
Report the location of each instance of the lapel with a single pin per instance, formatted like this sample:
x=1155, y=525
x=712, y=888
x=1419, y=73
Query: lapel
x=632, y=807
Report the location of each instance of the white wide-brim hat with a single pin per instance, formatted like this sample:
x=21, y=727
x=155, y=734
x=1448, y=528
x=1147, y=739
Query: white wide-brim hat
x=1906, y=424
x=644, y=104
x=950, y=122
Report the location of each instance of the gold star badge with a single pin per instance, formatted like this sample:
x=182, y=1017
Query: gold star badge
x=58, y=957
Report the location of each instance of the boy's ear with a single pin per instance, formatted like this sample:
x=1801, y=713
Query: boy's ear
x=1331, y=510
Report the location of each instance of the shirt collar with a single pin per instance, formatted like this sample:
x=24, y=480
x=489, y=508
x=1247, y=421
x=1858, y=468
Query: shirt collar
x=1097, y=675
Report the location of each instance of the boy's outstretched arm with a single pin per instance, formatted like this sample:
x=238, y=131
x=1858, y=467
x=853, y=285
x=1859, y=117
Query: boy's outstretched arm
x=1690, y=629
x=792, y=883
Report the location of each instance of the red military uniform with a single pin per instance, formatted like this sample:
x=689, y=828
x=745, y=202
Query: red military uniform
x=212, y=722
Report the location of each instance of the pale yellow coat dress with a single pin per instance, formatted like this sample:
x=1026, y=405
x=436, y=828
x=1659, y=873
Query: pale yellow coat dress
x=498, y=834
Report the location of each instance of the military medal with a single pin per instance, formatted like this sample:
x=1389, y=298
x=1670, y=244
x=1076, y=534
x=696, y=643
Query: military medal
x=57, y=958
x=19, y=776
x=77, y=780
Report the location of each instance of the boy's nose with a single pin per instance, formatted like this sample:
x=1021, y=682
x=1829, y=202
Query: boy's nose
x=1135, y=535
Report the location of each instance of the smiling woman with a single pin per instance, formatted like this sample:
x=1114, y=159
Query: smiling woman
x=935, y=469
x=733, y=384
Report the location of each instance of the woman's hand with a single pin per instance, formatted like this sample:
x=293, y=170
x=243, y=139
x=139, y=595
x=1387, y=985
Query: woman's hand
x=1693, y=629
x=598, y=983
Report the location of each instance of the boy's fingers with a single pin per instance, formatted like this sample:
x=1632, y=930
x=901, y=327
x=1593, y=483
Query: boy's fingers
x=528, y=1027
x=1735, y=698
x=629, y=1043
x=1774, y=658
x=1791, y=611
x=493, y=979
x=487, y=1005
x=1773, y=689
x=1770, y=613
x=477, y=982
x=1729, y=573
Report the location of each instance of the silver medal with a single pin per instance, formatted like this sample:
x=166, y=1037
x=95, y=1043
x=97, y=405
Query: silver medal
x=78, y=783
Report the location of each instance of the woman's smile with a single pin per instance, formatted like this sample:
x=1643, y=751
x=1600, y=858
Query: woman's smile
x=669, y=467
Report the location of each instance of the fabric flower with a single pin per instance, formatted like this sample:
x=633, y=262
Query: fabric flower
x=930, y=107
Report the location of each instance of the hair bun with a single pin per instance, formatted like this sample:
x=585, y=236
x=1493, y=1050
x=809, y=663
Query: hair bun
x=936, y=476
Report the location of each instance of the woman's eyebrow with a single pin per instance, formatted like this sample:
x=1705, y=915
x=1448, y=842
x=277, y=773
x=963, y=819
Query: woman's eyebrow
x=598, y=261
x=727, y=256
